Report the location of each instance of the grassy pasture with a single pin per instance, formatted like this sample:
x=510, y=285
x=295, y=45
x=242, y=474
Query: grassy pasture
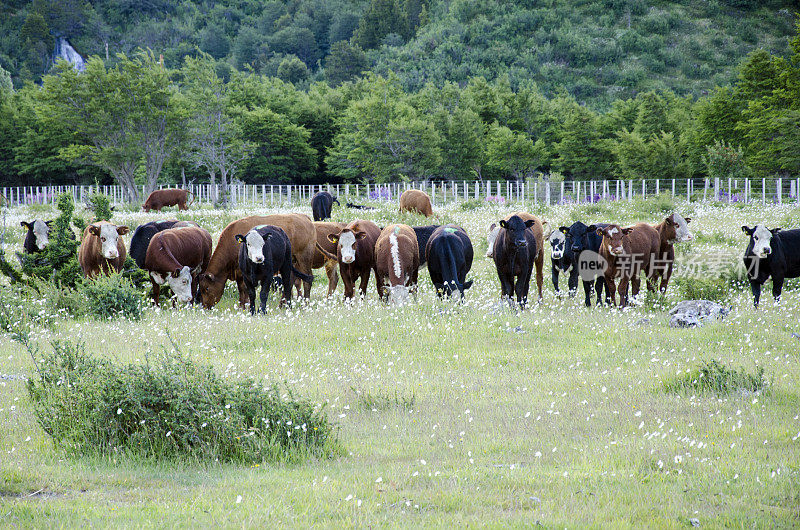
x=469, y=415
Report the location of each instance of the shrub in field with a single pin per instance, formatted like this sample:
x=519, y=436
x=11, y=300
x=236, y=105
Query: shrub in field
x=113, y=295
x=471, y=204
x=715, y=377
x=101, y=206
x=703, y=288
x=723, y=161
x=169, y=407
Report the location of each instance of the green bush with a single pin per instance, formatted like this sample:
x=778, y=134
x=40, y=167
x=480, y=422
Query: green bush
x=109, y=296
x=169, y=407
x=714, y=377
x=471, y=204
x=703, y=288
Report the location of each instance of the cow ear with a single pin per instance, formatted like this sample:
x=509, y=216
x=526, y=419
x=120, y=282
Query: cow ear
x=361, y=235
x=626, y=231
x=48, y=223
x=600, y=231
x=775, y=231
x=564, y=229
x=122, y=230
x=529, y=223
x=239, y=238
x=26, y=224
x=670, y=220
x=268, y=235
x=592, y=228
x=687, y=219
x=333, y=238
x=176, y=272
x=492, y=227
x=747, y=230
x=467, y=285
x=503, y=224
x=94, y=230
x=208, y=276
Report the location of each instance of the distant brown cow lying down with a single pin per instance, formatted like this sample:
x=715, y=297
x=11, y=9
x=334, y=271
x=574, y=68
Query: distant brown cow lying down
x=102, y=249
x=168, y=197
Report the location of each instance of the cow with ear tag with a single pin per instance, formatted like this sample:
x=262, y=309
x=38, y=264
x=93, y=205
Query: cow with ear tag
x=514, y=254
x=38, y=236
x=771, y=253
x=102, y=249
x=176, y=256
x=537, y=229
x=355, y=252
x=561, y=259
x=264, y=251
x=673, y=229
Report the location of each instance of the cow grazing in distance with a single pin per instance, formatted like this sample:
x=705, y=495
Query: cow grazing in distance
x=264, y=252
x=673, y=229
x=355, y=252
x=627, y=252
x=359, y=206
x=424, y=233
x=144, y=233
x=397, y=262
x=537, y=229
x=449, y=253
x=224, y=264
x=102, y=249
x=561, y=259
x=37, y=237
x=514, y=254
x=771, y=253
x=416, y=201
x=176, y=256
x=585, y=245
x=168, y=197
x=325, y=255
x=321, y=205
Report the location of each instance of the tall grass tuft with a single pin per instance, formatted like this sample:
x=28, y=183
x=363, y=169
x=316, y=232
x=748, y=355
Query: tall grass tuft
x=716, y=378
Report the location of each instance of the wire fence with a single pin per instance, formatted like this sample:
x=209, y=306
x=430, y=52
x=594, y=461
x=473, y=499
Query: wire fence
x=764, y=190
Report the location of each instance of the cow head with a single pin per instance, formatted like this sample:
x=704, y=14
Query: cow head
x=491, y=237
x=515, y=231
x=346, y=242
x=677, y=228
x=559, y=241
x=109, y=236
x=254, y=242
x=578, y=235
x=40, y=230
x=210, y=288
x=613, y=238
x=180, y=281
x=761, y=239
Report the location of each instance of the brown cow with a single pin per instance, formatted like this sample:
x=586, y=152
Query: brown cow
x=416, y=201
x=355, y=252
x=176, y=256
x=168, y=197
x=102, y=250
x=328, y=260
x=671, y=230
x=538, y=233
x=224, y=264
x=397, y=261
x=627, y=252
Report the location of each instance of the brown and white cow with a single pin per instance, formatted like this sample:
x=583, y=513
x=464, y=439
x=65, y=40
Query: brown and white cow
x=329, y=261
x=673, y=229
x=397, y=262
x=627, y=253
x=355, y=252
x=102, y=249
x=537, y=229
x=167, y=197
x=224, y=263
x=176, y=256
x=416, y=201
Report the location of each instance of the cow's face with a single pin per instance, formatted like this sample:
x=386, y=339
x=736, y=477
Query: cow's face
x=398, y=294
x=491, y=237
x=515, y=231
x=578, y=235
x=109, y=236
x=677, y=228
x=41, y=232
x=180, y=281
x=346, y=241
x=613, y=237
x=761, y=238
x=210, y=289
x=558, y=242
x=254, y=243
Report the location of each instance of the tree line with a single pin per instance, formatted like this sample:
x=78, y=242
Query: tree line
x=137, y=122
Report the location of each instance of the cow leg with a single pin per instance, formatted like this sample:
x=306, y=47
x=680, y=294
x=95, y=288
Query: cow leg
x=777, y=288
x=539, y=272
x=522, y=288
x=555, y=280
x=611, y=291
x=349, y=282
x=156, y=291
x=415, y=282
x=286, y=283
x=572, y=283
x=598, y=289
x=251, y=295
x=623, y=291
x=756, y=288
x=244, y=294
x=507, y=288
x=364, y=283
x=665, y=278
x=265, y=289
x=587, y=290
x=636, y=283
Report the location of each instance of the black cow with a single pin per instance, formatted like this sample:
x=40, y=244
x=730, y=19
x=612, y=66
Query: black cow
x=321, y=205
x=144, y=233
x=449, y=254
x=38, y=236
x=561, y=260
x=423, y=235
x=514, y=253
x=774, y=253
x=585, y=238
x=265, y=251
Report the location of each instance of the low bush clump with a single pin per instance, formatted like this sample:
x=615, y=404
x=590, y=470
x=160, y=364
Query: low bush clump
x=169, y=407
x=109, y=296
x=471, y=204
x=715, y=377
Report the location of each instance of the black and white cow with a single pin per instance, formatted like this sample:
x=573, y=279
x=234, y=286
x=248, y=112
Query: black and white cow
x=38, y=236
x=771, y=253
x=265, y=251
x=561, y=260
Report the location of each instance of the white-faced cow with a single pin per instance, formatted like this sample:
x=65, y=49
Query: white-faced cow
x=397, y=262
x=102, y=249
x=771, y=253
x=176, y=256
x=38, y=236
x=355, y=251
x=561, y=259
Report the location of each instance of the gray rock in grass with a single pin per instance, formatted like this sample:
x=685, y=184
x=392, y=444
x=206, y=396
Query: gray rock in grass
x=694, y=313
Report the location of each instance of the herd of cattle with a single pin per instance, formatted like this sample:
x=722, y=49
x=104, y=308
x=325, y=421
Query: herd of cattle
x=283, y=249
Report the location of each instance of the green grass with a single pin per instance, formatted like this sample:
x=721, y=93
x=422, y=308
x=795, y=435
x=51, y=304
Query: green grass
x=447, y=415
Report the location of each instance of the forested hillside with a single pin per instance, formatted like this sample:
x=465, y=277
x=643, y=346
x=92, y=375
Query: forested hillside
x=596, y=50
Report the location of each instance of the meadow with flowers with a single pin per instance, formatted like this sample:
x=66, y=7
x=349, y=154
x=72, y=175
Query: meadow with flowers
x=470, y=414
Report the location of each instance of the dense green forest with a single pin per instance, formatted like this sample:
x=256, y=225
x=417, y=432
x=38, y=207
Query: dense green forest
x=218, y=101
